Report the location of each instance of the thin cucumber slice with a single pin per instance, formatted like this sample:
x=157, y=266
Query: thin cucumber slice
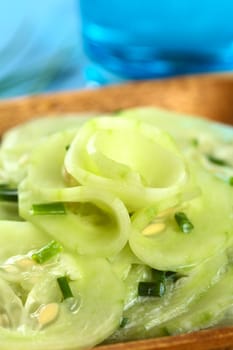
x=211, y=216
x=148, y=169
x=11, y=307
x=182, y=127
x=147, y=317
x=30, y=132
x=18, y=143
x=18, y=238
x=46, y=166
x=95, y=222
x=208, y=310
x=123, y=261
x=95, y=310
x=100, y=225
x=138, y=273
x=196, y=137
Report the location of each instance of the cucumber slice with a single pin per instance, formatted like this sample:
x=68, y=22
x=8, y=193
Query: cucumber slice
x=95, y=222
x=195, y=136
x=96, y=317
x=148, y=316
x=211, y=216
x=148, y=169
x=99, y=227
x=88, y=318
x=11, y=307
x=18, y=142
x=208, y=310
x=123, y=261
x=184, y=128
x=18, y=238
x=138, y=273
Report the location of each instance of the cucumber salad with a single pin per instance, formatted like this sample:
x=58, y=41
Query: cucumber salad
x=114, y=228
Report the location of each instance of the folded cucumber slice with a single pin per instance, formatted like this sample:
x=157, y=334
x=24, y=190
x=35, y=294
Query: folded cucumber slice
x=148, y=169
x=95, y=221
x=100, y=226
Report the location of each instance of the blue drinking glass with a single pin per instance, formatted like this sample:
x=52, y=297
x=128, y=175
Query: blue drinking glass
x=141, y=39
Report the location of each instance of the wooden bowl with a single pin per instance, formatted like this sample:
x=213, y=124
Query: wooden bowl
x=210, y=96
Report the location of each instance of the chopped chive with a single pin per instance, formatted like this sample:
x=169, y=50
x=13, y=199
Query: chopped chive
x=158, y=276
x=124, y=322
x=162, y=276
x=171, y=274
x=4, y=185
x=48, y=209
x=183, y=222
x=64, y=287
x=151, y=289
x=217, y=161
x=67, y=147
x=8, y=194
x=174, y=276
x=47, y=252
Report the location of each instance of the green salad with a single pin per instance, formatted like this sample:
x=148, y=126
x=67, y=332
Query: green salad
x=114, y=228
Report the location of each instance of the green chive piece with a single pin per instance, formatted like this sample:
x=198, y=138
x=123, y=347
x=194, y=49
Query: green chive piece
x=4, y=185
x=67, y=147
x=183, y=222
x=174, y=276
x=8, y=194
x=47, y=252
x=163, y=276
x=124, y=322
x=158, y=276
x=216, y=161
x=170, y=274
x=49, y=209
x=151, y=289
x=64, y=287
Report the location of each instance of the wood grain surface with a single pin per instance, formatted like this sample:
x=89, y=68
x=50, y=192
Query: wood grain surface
x=209, y=95
x=206, y=339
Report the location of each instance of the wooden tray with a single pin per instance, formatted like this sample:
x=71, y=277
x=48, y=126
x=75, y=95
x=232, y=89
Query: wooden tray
x=209, y=95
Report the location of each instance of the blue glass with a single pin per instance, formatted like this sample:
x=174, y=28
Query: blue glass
x=137, y=39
